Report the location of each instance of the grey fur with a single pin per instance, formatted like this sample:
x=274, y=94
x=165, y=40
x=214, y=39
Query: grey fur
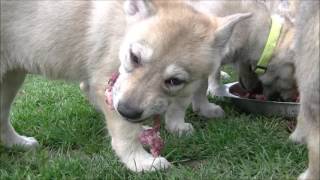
x=307, y=60
x=246, y=45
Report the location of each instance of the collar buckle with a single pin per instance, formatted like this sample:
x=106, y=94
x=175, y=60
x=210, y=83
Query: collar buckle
x=271, y=44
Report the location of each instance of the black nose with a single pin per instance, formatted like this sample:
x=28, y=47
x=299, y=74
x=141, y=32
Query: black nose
x=128, y=111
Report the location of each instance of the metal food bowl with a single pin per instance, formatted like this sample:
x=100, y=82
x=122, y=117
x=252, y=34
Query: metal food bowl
x=267, y=108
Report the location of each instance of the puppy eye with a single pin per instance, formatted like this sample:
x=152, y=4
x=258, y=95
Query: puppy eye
x=135, y=59
x=174, y=82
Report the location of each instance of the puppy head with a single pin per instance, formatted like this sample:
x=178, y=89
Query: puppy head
x=279, y=83
x=168, y=48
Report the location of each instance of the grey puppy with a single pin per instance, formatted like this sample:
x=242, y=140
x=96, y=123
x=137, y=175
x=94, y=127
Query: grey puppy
x=296, y=59
x=306, y=46
x=247, y=44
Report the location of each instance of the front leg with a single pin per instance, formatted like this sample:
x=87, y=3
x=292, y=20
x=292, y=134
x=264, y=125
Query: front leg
x=175, y=114
x=214, y=82
x=201, y=104
x=126, y=144
x=124, y=136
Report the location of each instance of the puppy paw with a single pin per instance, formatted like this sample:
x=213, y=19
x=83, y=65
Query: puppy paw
x=297, y=137
x=26, y=143
x=308, y=176
x=146, y=162
x=211, y=111
x=303, y=176
x=180, y=129
x=224, y=75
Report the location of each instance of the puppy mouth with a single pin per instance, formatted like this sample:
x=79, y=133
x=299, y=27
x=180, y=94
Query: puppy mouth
x=141, y=120
x=136, y=121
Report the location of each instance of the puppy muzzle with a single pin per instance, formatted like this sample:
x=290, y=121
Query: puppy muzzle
x=129, y=112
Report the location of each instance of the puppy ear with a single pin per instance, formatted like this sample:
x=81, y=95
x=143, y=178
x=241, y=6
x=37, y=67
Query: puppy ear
x=226, y=26
x=138, y=9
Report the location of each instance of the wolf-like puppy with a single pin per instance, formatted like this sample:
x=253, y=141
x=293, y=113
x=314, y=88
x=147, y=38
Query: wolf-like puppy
x=287, y=8
x=307, y=60
x=163, y=50
x=247, y=44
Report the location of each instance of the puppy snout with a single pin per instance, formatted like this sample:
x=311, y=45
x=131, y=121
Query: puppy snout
x=128, y=111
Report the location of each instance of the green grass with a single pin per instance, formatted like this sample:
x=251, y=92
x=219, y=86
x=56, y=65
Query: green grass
x=75, y=144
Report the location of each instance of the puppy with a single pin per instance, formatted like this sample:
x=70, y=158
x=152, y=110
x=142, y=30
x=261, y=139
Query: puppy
x=247, y=44
x=306, y=47
x=286, y=8
x=163, y=50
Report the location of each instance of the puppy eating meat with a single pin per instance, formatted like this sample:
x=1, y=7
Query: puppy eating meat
x=162, y=50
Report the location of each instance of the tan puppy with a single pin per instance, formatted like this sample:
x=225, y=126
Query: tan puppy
x=306, y=46
x=164, y=51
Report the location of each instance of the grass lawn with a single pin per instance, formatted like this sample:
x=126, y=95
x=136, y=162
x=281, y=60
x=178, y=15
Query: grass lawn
x=74, y=144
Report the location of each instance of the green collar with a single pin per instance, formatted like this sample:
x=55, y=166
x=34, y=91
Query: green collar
x=274, y=34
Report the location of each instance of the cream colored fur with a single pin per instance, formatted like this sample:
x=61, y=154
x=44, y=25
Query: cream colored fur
x=307, y=64
x=87, y=41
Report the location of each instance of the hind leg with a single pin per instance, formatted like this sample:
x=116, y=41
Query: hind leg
x=299, y=134
x=308, y=130
x=308, y=116
x=310, y=136
x=9, y=87
x=313, y=171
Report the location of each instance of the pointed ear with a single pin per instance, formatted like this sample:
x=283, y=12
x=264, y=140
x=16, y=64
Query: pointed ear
x=226, y=26
x=138, y=9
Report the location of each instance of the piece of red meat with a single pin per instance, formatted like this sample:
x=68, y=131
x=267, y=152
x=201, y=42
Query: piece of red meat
x=151, y=138
x=260, y=97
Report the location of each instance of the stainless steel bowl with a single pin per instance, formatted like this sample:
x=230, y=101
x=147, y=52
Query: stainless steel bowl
x=267, y=108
